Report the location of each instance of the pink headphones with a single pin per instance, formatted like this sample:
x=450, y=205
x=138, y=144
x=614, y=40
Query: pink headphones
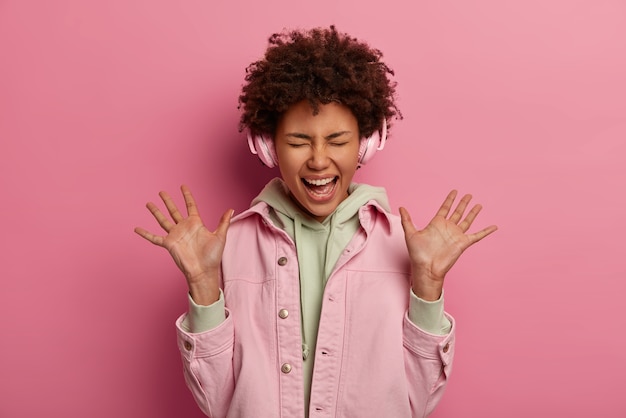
x=263, y=146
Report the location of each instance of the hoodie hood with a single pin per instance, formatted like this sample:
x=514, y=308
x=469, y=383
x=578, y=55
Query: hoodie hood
x=276, y=195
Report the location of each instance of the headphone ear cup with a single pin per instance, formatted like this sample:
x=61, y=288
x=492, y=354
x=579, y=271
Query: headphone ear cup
x=371, y=144
x=367, y=148
x=263, y=147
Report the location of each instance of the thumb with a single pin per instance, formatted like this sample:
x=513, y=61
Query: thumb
x=407, y=224
x=222, y=227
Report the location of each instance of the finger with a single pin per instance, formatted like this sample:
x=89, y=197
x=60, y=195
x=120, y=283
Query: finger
x=192, y=208
x=460, y=209
x=222, y=227
x=162, y=220
x=447, y=204
x=171, y=207
x=407, y=223
x=155, y=239
x=469, y=219
x=474, y=238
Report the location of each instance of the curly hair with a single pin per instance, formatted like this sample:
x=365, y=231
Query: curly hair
x=321, y=66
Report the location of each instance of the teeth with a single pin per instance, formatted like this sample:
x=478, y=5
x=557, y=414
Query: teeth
x=320, y=182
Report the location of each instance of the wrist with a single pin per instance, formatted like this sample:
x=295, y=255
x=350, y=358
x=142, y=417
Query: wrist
x=204, y=290
x=427, y=288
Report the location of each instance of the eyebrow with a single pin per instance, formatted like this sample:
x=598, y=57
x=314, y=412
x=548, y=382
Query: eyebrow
x=299, y=135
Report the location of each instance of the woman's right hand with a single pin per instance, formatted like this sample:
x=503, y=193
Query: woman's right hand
x=196, y=250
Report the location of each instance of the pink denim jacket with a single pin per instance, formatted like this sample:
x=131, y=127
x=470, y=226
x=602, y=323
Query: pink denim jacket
x=370, y=360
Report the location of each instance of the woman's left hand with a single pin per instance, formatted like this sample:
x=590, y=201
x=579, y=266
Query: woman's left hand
x=434, y=249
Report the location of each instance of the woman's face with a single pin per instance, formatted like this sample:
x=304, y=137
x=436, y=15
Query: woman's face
x=317, y=155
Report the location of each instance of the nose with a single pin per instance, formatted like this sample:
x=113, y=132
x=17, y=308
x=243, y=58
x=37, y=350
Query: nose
x=319, y=158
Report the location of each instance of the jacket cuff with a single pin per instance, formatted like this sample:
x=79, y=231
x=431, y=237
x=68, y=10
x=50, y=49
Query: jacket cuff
x=429, y=316
x=203, y=318
x=429, y=345
x=205, y=344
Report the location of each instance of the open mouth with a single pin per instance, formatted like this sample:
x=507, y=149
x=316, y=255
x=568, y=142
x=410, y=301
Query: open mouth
x=320, y=187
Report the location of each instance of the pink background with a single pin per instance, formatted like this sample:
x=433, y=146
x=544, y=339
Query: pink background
x=103, y=104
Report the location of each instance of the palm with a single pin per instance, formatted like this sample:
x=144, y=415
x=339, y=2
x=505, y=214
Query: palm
x=193, y=247
x=436, y=247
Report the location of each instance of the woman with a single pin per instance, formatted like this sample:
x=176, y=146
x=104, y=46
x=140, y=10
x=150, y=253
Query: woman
x=316, y=301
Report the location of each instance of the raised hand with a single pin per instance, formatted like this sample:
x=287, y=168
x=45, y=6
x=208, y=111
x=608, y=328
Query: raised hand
x=196, y=251
x=434, y=249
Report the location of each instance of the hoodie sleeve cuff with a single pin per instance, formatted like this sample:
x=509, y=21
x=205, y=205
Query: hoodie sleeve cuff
x=428, y=316
x=203, y=318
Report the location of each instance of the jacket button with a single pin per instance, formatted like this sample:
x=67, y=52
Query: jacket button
x=187, y=346
x=285, y=368
x=283, y=313
x=446, y=348
x=282, y=261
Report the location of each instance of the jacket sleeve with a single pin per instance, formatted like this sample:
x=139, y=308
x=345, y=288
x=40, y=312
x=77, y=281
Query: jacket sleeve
x=208, y=365
x=428, y=363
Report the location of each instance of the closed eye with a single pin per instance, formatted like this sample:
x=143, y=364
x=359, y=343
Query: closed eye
x=297, y=144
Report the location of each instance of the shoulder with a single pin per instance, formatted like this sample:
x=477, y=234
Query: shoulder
x=254, y=222
x=375, y=217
